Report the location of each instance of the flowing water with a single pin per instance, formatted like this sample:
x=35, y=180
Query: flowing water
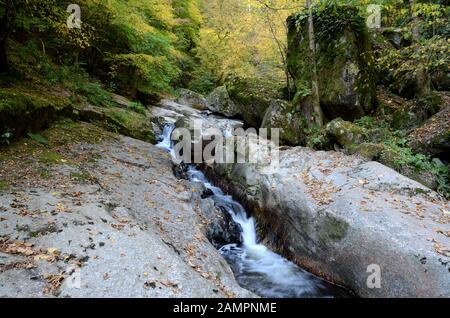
x=256, y=267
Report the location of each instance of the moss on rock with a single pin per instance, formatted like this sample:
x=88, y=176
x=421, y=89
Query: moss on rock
x=219, y=101
x=345, y=133
x=24, y=110
x=281, y=114
x=343, y=57
x=368, y=150
x=119, y=120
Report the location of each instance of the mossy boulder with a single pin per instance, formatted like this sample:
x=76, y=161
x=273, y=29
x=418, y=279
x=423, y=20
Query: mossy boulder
x=193, y=99
x=345, y=133
x=401, y=113
x=253, y=97
x=344, y=60
x=119, y=120
x=219, y=101
x=393, y=159
x=433, y=137
x=282, y=115
x=247, y=99
x=24, y=110
x=368, y=150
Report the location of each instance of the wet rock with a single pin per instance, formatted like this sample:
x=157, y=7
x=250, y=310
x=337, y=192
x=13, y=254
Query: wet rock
x=181, y=171
x=220, y=228
x=207, y=193
x=336, y=215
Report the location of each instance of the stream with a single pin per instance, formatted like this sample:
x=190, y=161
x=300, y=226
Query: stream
x=255, y=266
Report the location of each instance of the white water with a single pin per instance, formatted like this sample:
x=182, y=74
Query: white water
x=255, y=266
x=166, y=142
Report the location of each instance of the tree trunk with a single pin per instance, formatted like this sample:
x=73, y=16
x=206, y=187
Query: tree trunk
x=4, y=68
x=318, y=113
x=5, y=24
x=423, y=81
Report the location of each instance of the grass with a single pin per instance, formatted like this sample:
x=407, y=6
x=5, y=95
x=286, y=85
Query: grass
x=44, y=173
x=81, y=176
x=92, y=92
x=3, y=186
x=49, y=157
x=137, y=108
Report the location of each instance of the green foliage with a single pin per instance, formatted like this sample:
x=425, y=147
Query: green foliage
x=401, y=64
x=90, y=91
x=50, y=157
x=137, y=108
x=135, y=46
x=145, y=45
x=202, y=81
x=432, y=17
x=144, y=72
x=5, y=137
x=38, y=138
x=317, y=138
x=397, y=154
x=331, y=18
x=401, y=156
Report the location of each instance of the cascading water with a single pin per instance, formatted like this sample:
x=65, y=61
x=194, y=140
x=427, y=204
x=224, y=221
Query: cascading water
x=165, y=142
x=255, y=266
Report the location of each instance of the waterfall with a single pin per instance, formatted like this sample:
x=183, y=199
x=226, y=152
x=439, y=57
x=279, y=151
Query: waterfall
x=255, y=266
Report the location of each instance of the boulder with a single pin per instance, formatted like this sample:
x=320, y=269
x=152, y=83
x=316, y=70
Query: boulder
x=368, y=150
x=252, y=98
x=345, y=133
x=219, y=101
x=400, y=112
x=24, y=110
x=433, y=137
x=340, y=217
x=126, y=230
x=343, y=56
x=283, y=115
x=220, y=229
x=121, y=101
x=247, y=99
x=118, y=120
x=192, y=99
